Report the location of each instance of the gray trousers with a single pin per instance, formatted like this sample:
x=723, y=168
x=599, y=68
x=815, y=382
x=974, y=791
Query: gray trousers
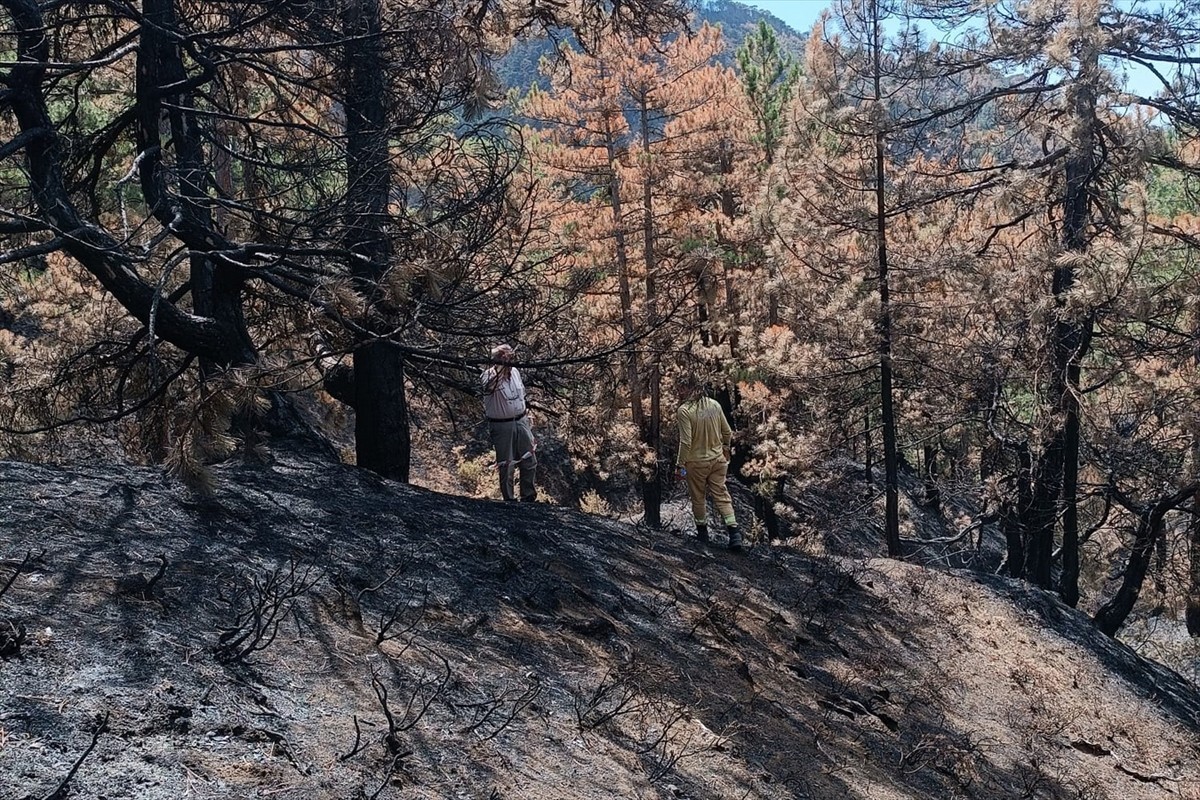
x=513, y=440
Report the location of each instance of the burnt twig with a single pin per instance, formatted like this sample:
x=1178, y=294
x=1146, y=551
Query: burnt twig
x=358, y=746
x=609, y=700
x=16, y=571
x=387, y=623
x=267, y=602
x=420, y=698
x=63, y=789
x=498, y=711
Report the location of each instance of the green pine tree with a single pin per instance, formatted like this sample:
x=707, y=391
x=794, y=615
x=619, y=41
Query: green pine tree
x=768, y=74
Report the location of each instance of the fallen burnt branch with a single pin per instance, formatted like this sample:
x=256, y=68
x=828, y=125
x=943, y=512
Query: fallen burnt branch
x=17, y=570
x=12, y=631
x=64, y=788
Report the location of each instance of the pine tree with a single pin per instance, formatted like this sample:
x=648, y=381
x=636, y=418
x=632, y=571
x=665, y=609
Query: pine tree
x=280, y=175
x=769, y=75
x=616, y=135
x=1065, y=186
x=841, y=173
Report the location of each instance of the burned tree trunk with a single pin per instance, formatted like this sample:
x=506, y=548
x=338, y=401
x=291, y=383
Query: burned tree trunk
x=1112, y=615
x=381, y=426
x=1056, y=473
x=887, y=407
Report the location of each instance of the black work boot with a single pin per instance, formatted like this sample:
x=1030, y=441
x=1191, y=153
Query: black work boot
x=735, y=538
x=702, y=533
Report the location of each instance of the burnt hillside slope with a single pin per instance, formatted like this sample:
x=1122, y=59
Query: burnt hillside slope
x=310, y=631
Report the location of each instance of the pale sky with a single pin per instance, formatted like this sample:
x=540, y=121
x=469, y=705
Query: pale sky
x=801, y=14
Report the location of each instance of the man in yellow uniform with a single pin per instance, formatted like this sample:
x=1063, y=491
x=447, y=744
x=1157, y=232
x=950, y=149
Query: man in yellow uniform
x=704, y=441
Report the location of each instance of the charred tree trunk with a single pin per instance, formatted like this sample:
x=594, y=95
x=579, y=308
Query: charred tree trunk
x=931, y=493
x=165, y=91
x=162, y=81
x=1058, y=467
x=97, y=251
x=1014, y=539
x=652, y=488
x=633, y=376
x=1193, y=589
x=1068, y=579
x=891, y=459
x=1016, y=513
x=1073, y=337
x=1040, y=520
x=381, y=433
x=868, y=450
x=1193, y=595
x=1112, y=615
x=381, y=426
x=705, y=294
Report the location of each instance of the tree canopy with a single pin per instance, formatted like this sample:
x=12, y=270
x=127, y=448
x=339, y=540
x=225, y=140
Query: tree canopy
x=951, y=243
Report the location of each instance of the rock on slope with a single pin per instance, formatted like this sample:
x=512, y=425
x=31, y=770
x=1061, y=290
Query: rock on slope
x=320, y=633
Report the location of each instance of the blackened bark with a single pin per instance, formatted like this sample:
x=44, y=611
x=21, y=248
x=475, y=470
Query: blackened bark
x=868, y=450
x=1192, y=613
x=382, y=440
x=1058, y=468
x=1112, y=615
x=1072, y=338
x=702, y=314
x=652, y=487
x=98, y=252
x=216, y=286
x=931, y=492
x=1068, y=579
x=1015, y=513
x=891, y=460
x=1014, y=540
x=1193, y=594
x=1039, y=522
x=381, y=425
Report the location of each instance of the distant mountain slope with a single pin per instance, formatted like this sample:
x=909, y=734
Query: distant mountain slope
x=311, y=631
x=519, y=68
x=738, y=20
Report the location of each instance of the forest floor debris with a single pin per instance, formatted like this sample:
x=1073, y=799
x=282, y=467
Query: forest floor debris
x=317, y=632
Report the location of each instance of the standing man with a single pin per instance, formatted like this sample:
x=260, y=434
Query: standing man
x=508, y=423
x=704, y=449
